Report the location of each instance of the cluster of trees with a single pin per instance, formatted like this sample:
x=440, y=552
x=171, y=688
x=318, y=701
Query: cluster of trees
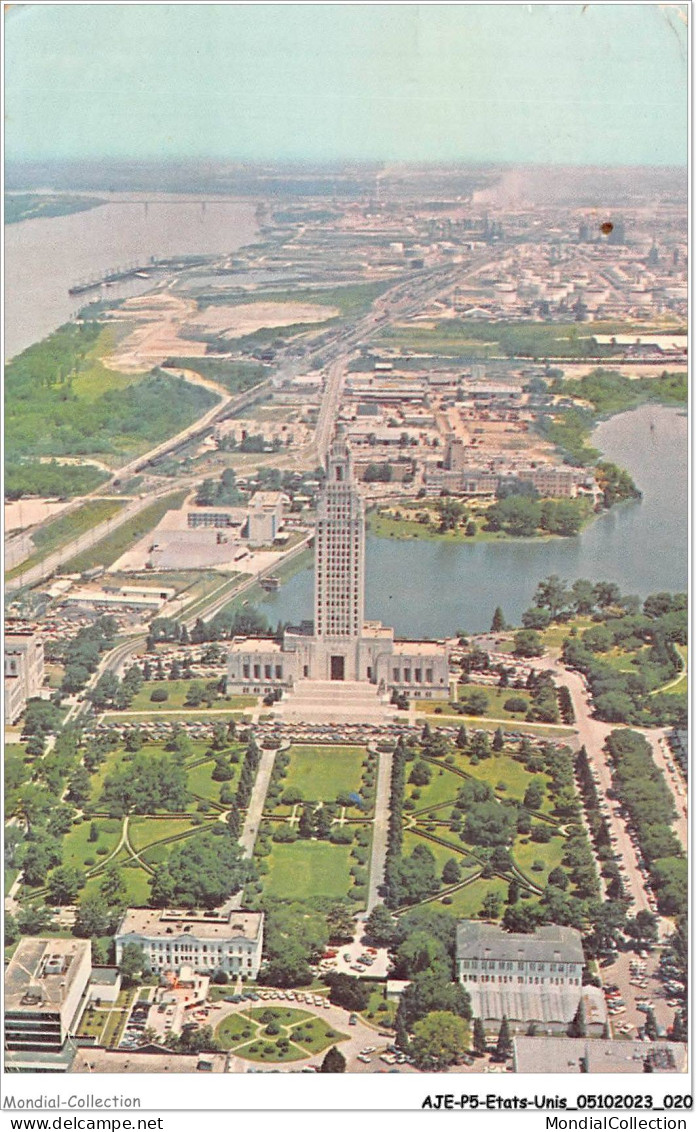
x=219, y=493
x=53, y=479
x=522, y=515
x=629, y=696
x=201, y=872
x=111, y=692
x=643, y=791
x=598, y=825
x=378, y=473
x=146, y=784
x=81, y=654
x=395, y=833
x=432, y=1021
x=247, y=775
x=295, y=936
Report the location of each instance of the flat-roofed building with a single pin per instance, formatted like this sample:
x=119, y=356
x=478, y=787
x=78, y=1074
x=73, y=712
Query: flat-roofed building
x=265, y=517
x=24, y=672
x=46, y=988
x=206, y=941
x=596, y=1055
x=217, y=517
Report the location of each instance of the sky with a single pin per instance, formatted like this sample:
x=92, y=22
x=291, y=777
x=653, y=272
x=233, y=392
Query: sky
x=592, y=84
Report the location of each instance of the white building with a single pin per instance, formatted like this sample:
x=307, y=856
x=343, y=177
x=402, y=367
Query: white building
x=339, y=644
x=265, y=517
x=24, y=672
x=206, y=941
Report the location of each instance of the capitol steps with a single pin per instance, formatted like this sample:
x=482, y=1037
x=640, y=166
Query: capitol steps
x=334, y=701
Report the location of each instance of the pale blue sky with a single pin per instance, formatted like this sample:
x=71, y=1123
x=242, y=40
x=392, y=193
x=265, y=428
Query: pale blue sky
x=587, y=84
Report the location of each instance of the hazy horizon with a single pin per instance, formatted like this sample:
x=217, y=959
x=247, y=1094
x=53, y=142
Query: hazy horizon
x=416, y=85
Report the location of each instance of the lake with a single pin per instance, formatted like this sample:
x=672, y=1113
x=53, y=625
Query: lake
x=44, y=257
x=430, y=589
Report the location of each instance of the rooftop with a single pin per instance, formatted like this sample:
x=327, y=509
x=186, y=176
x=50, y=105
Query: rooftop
x=549, y=943
x=563, y=1055
x=42, y=971
x=94, y=1060
x=156, y=923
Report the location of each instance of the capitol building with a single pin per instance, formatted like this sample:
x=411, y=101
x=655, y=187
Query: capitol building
x=339, y=646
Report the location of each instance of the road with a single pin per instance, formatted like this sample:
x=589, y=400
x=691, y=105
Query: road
x=592, y=734
x=380, y=828
x=257, y=802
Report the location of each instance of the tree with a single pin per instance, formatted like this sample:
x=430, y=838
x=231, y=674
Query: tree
x=461, y=739
x=534, y=794
x=513, y=892
x=492, y=906
x=347, y=991
x=498, y=622
x=63, y=885
x=133, y=965
x=11, y=930
x=420, y=774
x=112, y=886
x=201, y=872
x=480, y=1045
x=306, y=824
x=578, y=1026
x=651, y=1025
x=552, y=594
x=498, y=740
x=334, y=1062
x=340, y=923
x=475, y=702
x=380, y=927
x=451, y=871
x=94, y=917
x=503, y=1048
x=439, y=1040
x=528, y=643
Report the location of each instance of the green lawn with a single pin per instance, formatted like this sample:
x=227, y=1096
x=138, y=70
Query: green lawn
x=177, y=691
x=681, y=686
x=440, y=852
x=309, y=1034
x=201, y=783
x=323, y=772
x=308, y=868
x=466, y=903
x=136, y=880
x=550, y=853
x=443, y=786
x=501, y=768
x=77, y=845
x=143, y=832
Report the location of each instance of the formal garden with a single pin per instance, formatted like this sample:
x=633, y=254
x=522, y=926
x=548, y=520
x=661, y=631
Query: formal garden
x=276, y=1034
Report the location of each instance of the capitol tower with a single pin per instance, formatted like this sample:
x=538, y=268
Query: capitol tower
x=339, y=578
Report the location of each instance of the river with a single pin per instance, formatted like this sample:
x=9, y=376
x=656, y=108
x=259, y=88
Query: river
x=431, y=589
x=44, y=257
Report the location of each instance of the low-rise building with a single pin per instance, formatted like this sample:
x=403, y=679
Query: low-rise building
x=206, y=941
x=46, y=989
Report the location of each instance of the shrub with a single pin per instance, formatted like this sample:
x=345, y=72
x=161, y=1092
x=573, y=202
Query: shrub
x=159, y=695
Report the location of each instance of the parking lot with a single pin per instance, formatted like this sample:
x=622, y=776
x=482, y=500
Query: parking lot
x=639, y=987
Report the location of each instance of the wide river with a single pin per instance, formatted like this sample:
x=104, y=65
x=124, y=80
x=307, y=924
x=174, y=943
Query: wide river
x=43, y=258
x=430, y=589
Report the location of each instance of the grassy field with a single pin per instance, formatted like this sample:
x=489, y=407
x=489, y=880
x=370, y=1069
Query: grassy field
x=114, y=545
x=245, y=1034
x=501, y=768
x=307, y=869
x=495, y=696
x=440, y=852
x=526, y=852
x=77, y=847
x=443, y=786
x=384, y=526
x=466, y=903
x=323, y=772
x=681, y=685
x=144, y=832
